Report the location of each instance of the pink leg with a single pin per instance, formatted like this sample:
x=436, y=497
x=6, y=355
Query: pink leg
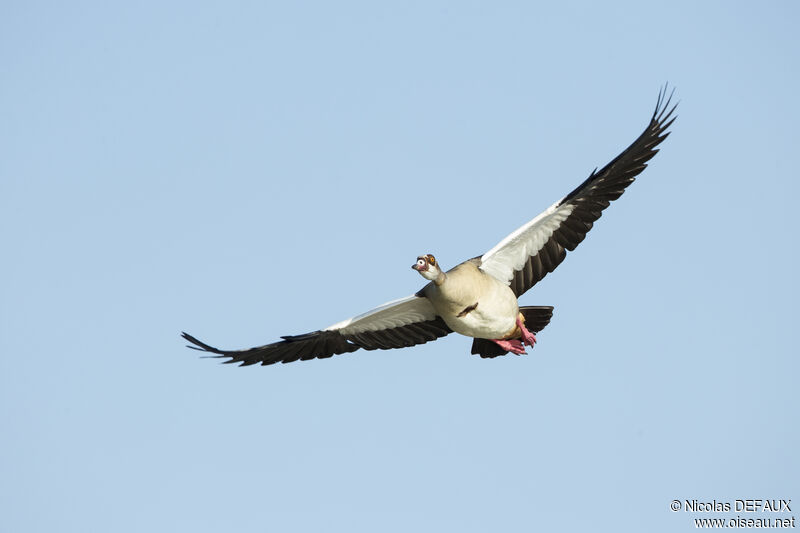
x=513, y=345
x=527, y=337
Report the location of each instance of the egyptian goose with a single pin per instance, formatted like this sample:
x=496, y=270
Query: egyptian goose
x=478, y=298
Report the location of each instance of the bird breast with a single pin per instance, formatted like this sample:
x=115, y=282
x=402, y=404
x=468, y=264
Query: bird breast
x=475, y=304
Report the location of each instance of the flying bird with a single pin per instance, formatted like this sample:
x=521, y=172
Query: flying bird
x=477, y=298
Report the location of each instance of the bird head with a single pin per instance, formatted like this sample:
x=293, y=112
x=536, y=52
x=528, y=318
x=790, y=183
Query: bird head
x=427, y=266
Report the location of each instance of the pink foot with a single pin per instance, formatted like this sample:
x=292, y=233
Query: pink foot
x=527, y=337
x=513, y=345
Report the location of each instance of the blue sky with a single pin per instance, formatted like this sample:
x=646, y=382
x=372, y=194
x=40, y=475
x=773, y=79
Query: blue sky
x=248, y=170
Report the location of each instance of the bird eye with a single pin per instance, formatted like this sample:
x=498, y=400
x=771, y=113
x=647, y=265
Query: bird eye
x=432, y=260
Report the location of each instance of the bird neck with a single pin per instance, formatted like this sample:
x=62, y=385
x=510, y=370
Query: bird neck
x=438, y=280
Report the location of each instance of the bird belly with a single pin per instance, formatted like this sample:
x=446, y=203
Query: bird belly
x=483, y=326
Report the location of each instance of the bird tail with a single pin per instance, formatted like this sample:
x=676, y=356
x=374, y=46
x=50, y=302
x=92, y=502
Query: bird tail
x=536, y=319
x=537, y=316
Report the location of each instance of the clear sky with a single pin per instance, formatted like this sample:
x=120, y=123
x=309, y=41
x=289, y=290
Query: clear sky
x=245, y=170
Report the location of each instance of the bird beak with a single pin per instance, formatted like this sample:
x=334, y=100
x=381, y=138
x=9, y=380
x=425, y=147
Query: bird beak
x=418, y=268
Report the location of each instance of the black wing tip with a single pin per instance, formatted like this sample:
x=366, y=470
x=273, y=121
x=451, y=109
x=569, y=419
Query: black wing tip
x=663, y=111
x=198, y=344
x=314, y=345
x=661, y=120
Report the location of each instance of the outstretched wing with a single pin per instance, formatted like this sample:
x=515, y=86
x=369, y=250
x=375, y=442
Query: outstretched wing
x=537, y=248
x=397, y=324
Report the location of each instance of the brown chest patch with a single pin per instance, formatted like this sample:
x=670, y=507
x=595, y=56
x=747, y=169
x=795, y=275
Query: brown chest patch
x=467, y=310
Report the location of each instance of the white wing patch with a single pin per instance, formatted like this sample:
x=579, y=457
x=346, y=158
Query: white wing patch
x=408, y=310
x=512, y=252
